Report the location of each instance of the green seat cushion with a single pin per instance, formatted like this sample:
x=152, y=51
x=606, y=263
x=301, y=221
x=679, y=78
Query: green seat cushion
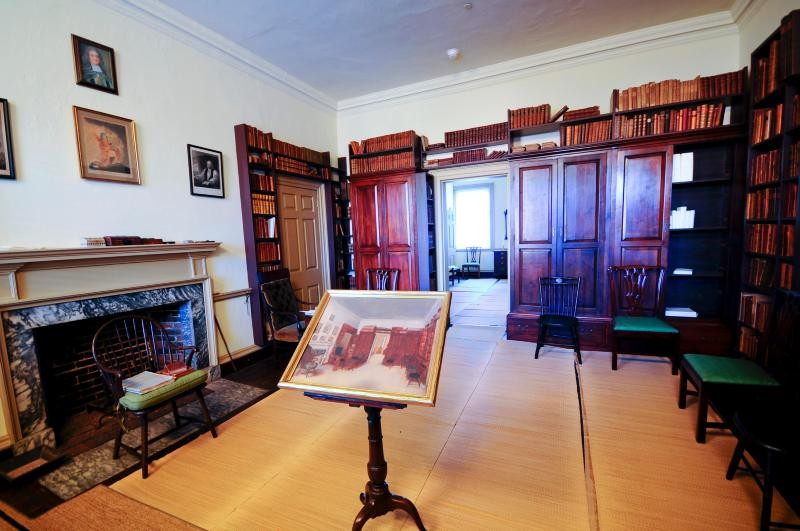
x=722, y=370
x=134, y=402
x=627, y=323
x=472, y=263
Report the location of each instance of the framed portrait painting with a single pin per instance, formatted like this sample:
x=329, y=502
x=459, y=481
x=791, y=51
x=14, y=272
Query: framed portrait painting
x=205, y=171
x=94, y=65
x=106, y=146
x=383, y=346
x=6, y=153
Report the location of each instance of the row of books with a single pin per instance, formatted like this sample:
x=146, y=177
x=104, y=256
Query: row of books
x=263, y=204
x=584, y=112
x=258, y=139
x=395, y=161
x=787, y=240
x=341, y=211
x=748, y=343
x=586, y=133
x=767, y=123
x=268, y=268
x=306, y=154
x=762, y=238
x=406, y=139
x=790, y=203
x=762, y=204
x=529, y=116
x=342, y=192
x=302, y=168
x=795, y=110
x=765, y=167
x=474, y=155
x=672, y=121
x=794, y=160
x=788, y=50
x=765, y=72
x=268, y=252
x=261, y=157
x=535, y=146
x=786, y=275
x=674, y=91
x=262, y=182
x=754, y=310
x=266, y=228
x=476, y=135
x=760, y=273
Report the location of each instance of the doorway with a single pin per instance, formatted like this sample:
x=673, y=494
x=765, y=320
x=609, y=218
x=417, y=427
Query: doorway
x=300, y=210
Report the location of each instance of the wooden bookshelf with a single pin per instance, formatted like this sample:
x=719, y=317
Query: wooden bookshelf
x=385, y=154
x=470, y=146
x=342, y=241
x=770, y=245
x=261, y=159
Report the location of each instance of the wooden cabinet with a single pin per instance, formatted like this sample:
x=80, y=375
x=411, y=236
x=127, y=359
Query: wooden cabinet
x=390, y=227
x=500, y=263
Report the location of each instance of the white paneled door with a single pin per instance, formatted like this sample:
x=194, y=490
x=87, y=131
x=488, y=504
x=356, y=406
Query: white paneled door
x=301, y=236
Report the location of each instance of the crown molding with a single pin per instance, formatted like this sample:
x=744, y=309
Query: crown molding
x=688, y=30
x=742, y=10
x=169, y=21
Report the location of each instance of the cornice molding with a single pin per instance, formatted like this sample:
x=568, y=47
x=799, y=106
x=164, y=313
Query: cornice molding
x=163, y=18
x=742, y=10
x=687, y=30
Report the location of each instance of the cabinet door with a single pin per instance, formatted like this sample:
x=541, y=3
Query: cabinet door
x=534, y=239
x=366, y=198
x=642, y=205
x=399, y=213
x=581, y=227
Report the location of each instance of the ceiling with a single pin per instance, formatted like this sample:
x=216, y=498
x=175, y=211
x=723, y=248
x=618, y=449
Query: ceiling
x=347, y=48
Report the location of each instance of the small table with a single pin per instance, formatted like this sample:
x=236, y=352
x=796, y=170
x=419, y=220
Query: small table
x=455, y=274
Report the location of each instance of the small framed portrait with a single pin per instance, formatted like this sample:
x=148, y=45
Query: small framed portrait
x=382, y=346
x=106, y=146
x=94, y=65
x=6, y=154
x=205, y=172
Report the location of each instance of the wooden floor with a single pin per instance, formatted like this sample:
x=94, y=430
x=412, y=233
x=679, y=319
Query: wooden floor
x=501, y=450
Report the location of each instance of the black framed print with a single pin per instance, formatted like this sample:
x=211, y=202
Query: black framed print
x=205, y=171
x=6, y=153
x=94, y=65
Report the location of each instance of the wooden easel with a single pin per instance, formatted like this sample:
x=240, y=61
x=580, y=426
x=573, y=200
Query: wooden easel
x=376, y=497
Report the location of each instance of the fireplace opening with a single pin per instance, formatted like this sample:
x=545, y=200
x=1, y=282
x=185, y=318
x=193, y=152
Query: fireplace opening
x=70, y=378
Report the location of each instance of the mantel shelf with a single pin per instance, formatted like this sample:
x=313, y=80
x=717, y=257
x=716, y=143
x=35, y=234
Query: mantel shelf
x=114, y=252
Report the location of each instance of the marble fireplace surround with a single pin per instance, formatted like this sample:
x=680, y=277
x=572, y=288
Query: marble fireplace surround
x=44, y=287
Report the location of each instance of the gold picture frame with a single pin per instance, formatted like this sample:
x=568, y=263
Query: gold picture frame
x=107, y=148
x=377, y=346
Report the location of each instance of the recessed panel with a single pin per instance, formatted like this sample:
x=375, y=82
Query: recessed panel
x=582, y=263
x=532, y=263
x=643, y=195
x=311, y=243
x=291, y=247
x=581, y=201
x=535, y=204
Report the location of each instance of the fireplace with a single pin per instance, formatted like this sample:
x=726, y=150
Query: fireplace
x=70, y=380
x=53, y=300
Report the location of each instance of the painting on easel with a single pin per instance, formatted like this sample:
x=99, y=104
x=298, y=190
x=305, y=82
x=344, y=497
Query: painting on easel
x=373, y=345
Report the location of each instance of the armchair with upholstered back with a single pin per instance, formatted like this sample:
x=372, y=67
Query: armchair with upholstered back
x=285, y=321
x=637, y=309
x=126, y=346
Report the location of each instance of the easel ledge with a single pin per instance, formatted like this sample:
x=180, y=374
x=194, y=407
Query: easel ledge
x=354, y=402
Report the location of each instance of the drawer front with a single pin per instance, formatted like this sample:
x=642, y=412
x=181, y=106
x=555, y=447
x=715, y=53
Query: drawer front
x=593, y=333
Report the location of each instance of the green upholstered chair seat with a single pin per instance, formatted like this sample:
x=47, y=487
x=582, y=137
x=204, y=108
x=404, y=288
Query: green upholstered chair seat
x=732, y=371
x=472, y=263
x=642, y=324
x=134, y=402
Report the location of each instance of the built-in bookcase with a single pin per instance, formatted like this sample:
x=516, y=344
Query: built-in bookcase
x=770, y=255
x=344, y=271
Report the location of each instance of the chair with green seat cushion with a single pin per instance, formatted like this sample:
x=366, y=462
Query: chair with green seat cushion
x=126, y=346
x=637, y=308
x=472, y=267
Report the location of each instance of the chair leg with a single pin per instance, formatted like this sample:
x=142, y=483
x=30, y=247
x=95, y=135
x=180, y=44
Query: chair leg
x=117, y=441
x=736, y=458
x=143, y=429
x=275, y=352
x=576, y=342
x=614, y=348
x=682, y=389
x=676, y=356
x=540, y=340
x=702, y=415
x=206, y=414
x=766, y=499
x=175, y=414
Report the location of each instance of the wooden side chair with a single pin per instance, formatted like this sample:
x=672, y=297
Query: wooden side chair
x=382, y=279
x=558, y=297
x=473, y=264
x=718, y=378
x=637, y=309
x=126, y=346
x=285, y=321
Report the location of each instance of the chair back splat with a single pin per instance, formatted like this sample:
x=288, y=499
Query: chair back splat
x=382, y=279
x=559, y=295
x=636, y=290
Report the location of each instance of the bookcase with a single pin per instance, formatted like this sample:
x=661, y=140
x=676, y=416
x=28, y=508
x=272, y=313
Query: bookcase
x=469, y=146
x=261, y=159
x=397, y=151
x=770, y=255
x=344, y=272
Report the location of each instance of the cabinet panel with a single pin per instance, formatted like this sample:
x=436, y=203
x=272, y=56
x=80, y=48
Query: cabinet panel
x=399, y=211
x=581, y=199
x=649, y=256
x=404, y=261
x=533, y=263
x=536, y=194
x=366, y=223
x=643, y=194
x=583, y=263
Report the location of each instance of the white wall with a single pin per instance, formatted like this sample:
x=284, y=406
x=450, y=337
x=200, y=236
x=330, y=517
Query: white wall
x=755, y=26
x=176, y=95
x=577, y=85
